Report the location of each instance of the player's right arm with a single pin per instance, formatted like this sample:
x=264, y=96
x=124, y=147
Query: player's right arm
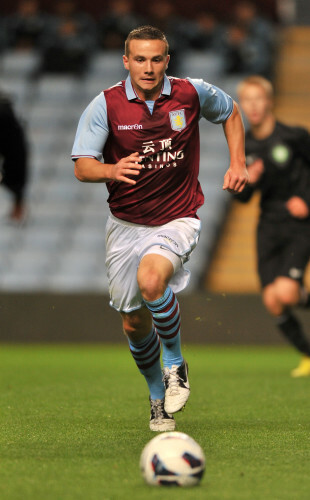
x=92, y=133
x=92, y=170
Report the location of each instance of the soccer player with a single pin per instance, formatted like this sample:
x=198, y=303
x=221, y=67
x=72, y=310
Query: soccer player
x=146, y=131
x=278, y=158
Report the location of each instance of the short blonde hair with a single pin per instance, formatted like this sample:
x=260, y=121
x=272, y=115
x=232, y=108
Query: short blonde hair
x=262, y=82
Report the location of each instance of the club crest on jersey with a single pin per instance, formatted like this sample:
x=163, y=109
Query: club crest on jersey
x=177, y=119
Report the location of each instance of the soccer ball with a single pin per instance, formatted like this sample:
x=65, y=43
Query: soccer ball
x=172, y=459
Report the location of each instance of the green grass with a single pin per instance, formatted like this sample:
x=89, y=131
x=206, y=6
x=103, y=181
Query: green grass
x=74, y=419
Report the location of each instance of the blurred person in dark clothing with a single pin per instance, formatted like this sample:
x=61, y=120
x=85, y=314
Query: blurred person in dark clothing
x=69, y=41
x=115, y=25
x=13, y=158
x=207, y=31
x=278, y=158
x=179, y=30
x=25, y=27
x=248, y=43
x=246, y=15
x=244, y=54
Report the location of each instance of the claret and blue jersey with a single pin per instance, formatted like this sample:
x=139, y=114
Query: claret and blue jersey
x=165, y=133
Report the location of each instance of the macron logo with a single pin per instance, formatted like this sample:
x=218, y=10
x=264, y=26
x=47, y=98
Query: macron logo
x=135, y=126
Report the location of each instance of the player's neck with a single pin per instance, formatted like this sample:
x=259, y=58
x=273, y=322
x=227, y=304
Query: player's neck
x=264, y=129
x=148, y=96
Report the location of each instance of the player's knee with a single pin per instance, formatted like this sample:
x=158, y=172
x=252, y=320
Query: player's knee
x=287, y=292
x=151, y=285
x=271, y=301
x=288, y=297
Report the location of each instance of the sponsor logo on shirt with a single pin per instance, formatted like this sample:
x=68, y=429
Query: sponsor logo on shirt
x=135, y=126
x=177, y=119
x=160, y=155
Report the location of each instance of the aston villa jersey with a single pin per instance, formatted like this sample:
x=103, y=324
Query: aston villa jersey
x=166, y=135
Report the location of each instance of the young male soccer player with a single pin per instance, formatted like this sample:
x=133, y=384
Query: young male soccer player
x=278, y=158
x=146, y=130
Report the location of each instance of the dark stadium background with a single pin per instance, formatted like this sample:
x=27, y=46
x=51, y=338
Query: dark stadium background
x=221, y=7
x=207, y=316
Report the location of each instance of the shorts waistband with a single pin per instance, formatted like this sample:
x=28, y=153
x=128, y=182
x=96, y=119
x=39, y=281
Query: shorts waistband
x=133, y=224
x=124, y=222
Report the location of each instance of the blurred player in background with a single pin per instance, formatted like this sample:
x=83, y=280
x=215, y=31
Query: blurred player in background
x=146, y=131
x=278, y=159
x=13, y=158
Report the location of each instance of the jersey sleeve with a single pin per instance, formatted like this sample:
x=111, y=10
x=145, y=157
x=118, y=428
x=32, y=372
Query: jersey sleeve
x=215, y=105
x=92, y=131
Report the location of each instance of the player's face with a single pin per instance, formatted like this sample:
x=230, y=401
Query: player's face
x=255, y=104
x=147, y=62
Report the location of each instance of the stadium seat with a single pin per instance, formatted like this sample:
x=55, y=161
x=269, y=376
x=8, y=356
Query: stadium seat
x=18, y=92
x=19, y=63
x=109, y=62
x=58, y=88
x=198, y=64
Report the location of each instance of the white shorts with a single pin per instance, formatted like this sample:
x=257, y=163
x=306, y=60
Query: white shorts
x=127, y=243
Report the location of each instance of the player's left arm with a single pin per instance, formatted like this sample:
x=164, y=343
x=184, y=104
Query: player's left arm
x=236, y=176
x=218, y=107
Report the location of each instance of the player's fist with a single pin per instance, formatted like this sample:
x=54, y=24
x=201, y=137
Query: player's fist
x=235, y=179
x=297, y=207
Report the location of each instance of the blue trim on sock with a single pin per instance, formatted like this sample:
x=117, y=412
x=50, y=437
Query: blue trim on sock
x=164, y=334
x=153, y=374
x=171, y=347
x=161, y=302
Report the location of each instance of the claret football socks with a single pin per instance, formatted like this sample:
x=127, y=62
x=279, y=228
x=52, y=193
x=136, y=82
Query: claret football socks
x=146, y=354
x=166, y=318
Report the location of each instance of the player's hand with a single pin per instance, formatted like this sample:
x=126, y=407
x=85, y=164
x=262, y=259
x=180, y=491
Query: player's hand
x=255, y=170
x=236, y=179
x=297, y=207
x=125, y=167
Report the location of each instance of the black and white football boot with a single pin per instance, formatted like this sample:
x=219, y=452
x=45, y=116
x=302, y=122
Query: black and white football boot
x=160, y=420
x=177, y=387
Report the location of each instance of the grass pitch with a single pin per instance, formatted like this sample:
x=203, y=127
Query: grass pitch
x=74, y=420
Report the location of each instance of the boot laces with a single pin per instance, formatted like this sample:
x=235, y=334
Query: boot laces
x=172, y=379
x=157, y=406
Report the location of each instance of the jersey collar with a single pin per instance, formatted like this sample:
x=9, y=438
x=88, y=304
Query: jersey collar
x=131, y=95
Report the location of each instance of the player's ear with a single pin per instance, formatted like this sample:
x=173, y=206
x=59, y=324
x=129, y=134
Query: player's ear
x=125, y=62
x=167, y=60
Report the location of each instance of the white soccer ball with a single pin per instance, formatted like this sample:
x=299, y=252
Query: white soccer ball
x=172, y=458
